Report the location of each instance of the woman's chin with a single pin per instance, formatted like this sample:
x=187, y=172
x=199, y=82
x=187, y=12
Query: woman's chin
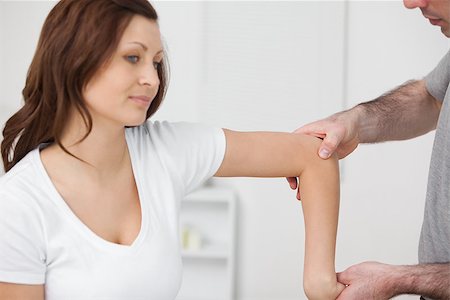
x=133, y=122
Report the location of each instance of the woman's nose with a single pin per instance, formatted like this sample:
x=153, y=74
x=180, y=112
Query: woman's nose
x=415, y=3
x=149, y=77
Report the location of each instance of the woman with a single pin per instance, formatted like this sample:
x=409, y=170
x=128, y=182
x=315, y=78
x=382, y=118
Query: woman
x=89, y=203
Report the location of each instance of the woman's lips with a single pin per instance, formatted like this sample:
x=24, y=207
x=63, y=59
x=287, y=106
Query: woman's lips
x=141, y=100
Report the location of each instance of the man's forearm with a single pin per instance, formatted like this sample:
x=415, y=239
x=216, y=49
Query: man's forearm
x=428, y=280
x=403, y=113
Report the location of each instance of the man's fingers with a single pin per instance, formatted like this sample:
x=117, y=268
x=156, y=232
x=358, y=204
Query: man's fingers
x=312, y=129
x=342, y=278
x=292, y=182
x=331, y=137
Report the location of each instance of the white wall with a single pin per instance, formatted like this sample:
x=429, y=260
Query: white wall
x=18, y=45
x=182, y=25
x=2, y=108
x=3, y=114
x=275, y=66
x=2, y=41
x=269, y=67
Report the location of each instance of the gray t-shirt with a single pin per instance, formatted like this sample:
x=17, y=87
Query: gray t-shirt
x=434, y=245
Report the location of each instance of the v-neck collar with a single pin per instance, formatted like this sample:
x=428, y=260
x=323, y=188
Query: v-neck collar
x=82, y=227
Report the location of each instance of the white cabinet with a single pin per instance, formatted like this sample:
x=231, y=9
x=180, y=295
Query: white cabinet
x=208, y=233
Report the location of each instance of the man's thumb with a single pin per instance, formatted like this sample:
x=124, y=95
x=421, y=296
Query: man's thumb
x=328, y=146
x=324, y=153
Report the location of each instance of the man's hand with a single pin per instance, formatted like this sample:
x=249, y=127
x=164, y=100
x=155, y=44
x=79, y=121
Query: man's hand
x=339, y=133
x=372, y=280
x=368, y=280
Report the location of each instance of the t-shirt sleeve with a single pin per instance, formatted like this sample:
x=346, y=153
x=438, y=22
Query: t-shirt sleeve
x=22, y=251
x=192, y=152
x=437, y=81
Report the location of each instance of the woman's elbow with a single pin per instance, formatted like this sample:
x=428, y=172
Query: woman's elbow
x=311, y=159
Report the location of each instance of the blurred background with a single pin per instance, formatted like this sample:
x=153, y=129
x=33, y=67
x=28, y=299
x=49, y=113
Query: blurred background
x=276, y=66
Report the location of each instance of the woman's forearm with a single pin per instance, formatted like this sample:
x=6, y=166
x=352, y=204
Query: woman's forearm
x=320, y=202
x=271, y=154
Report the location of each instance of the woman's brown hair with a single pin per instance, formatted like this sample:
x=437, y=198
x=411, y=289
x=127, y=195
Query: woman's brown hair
x=78, y=37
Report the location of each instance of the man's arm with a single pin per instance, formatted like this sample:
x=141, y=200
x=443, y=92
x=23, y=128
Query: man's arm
x=404, y=113
x=372, y=280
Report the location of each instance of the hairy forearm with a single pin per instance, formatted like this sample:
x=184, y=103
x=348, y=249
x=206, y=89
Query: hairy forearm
x=403, y=113
x=429, y=280
x=320, y=202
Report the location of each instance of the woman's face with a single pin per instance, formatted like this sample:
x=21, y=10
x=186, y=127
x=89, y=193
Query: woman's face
x=121, y=92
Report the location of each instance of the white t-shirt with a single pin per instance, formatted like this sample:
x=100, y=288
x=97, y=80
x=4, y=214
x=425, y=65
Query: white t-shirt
x=43, y=242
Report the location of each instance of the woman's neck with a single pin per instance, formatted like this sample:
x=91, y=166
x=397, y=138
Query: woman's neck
x=104, y=150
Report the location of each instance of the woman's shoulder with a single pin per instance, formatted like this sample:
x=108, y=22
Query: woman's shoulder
x=168, y=129
x=161, y=125
x=22, y=178
x=160, y=133
x=169, y=139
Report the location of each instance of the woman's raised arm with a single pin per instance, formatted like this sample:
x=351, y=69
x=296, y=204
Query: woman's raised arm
x=272, y=154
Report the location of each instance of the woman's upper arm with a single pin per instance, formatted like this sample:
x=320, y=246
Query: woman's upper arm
x=12, y=291
x=267, y=154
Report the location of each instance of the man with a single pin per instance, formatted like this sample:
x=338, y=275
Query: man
x=411, y=110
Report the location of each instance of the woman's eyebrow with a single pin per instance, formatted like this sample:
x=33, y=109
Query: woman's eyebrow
x=139, y=43
x=145, y=47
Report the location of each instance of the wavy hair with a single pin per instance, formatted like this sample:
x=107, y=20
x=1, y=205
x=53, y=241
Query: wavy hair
x=77, y=38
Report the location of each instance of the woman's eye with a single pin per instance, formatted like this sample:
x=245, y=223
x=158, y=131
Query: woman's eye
x=132, y=58
x=156, y=64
